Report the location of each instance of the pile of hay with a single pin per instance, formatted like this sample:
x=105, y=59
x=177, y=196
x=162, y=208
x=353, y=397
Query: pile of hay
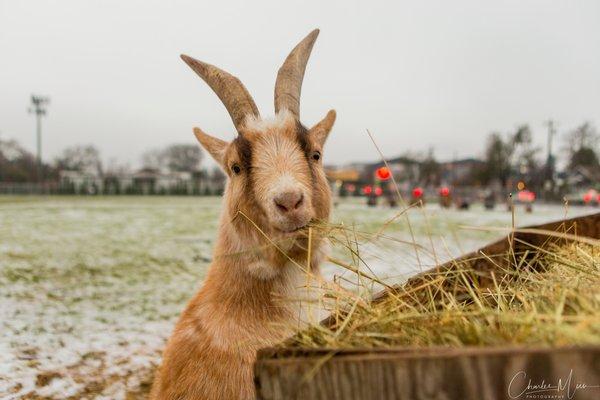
x=547, y=297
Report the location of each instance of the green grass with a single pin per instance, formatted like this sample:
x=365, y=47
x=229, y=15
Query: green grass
x=118, y=249
x=80, y=276
x=91, y=286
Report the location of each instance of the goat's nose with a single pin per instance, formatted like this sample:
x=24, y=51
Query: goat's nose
x=289, y=201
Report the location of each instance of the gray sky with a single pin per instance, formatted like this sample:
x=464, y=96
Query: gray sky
x=417, y=74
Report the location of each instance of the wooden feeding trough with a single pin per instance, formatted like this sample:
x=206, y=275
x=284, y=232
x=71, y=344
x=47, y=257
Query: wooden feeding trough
x=442, y=372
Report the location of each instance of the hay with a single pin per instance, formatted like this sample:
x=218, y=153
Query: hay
x=547, y=296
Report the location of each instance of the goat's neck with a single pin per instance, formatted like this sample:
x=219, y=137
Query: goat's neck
x=244, y=277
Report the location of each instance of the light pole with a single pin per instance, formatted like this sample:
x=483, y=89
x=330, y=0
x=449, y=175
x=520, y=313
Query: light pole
x=38, y=107
x=550, y=161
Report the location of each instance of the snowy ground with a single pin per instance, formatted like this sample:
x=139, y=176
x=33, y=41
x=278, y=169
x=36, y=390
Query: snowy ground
x=90, y=287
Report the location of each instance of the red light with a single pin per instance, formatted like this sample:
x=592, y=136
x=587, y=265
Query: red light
x=383, y=173
x=367, y=190
x=587, y=197
x=350, y=188
x=526, y=196
x=417, y=192
x=444, y=192
x=378, y=191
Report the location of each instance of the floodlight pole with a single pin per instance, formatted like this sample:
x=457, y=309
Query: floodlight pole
x=38, y=104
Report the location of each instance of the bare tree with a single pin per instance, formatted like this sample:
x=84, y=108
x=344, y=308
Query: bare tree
x=582, y=147
x=429, y=169
x=154, y=159
x=524, y=155
x=174, y=158
x=16, y=163
x=505, y=156
x=83, y=158
x=498, y=156
x=115, y=168
x=183, y=157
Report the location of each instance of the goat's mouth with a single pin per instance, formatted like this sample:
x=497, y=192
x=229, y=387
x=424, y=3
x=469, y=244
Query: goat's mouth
x=292, y=230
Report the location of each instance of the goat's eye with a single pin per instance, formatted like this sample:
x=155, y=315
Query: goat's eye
x=316, y=156
x=236, y=169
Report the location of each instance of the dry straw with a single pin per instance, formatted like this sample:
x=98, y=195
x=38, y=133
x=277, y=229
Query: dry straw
x=550, y=297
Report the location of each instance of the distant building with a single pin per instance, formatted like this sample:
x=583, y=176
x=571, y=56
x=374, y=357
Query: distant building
x=344, y=175
x=80, y=182
x=580, y=178
x=145, y=181
x=406, y=172
x=461, y=172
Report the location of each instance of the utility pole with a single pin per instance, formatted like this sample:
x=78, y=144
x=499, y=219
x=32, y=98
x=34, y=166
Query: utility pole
x=550, y=161
x=38, y=107
x=551, y=132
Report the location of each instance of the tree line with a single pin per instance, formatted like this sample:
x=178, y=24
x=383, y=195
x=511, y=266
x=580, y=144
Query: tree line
x=505, y=157
x=18, y=165
x=512, y=156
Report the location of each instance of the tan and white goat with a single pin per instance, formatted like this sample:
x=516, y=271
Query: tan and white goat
x=276, y=186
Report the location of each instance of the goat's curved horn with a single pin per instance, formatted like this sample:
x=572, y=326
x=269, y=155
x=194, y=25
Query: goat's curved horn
x=230, y=90
x=289, y=78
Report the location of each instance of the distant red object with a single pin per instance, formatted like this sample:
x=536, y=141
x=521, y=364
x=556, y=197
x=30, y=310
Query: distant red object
x=378, y=191
x=417, y=192
x=445, y=191
x=367, y=190
x=383, y=173
x=350, y=188
x=526, y=196
x=588, y=196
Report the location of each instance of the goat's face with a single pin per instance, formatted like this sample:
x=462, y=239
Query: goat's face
x=275, y=169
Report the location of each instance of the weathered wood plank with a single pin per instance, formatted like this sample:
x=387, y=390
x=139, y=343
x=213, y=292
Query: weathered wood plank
x=439, y=373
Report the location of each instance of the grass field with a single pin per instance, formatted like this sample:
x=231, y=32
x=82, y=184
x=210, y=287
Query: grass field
x=90, y=287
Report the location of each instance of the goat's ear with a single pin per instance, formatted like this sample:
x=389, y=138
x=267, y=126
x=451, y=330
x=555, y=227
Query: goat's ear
x=215, y=147
x=321, y=130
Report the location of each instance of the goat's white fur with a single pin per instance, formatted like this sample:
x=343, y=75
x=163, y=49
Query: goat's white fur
x=281, y=119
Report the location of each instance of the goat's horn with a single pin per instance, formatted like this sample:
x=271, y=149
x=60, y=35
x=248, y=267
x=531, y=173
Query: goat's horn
x=230, y=90
x=289, y=78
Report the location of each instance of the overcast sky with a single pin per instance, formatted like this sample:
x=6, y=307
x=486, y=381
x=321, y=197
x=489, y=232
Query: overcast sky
x=417, y=74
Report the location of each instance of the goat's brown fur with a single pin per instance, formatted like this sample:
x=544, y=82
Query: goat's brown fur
x=246, y=301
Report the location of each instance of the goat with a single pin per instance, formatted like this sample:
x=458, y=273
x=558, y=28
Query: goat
x=276, y=187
